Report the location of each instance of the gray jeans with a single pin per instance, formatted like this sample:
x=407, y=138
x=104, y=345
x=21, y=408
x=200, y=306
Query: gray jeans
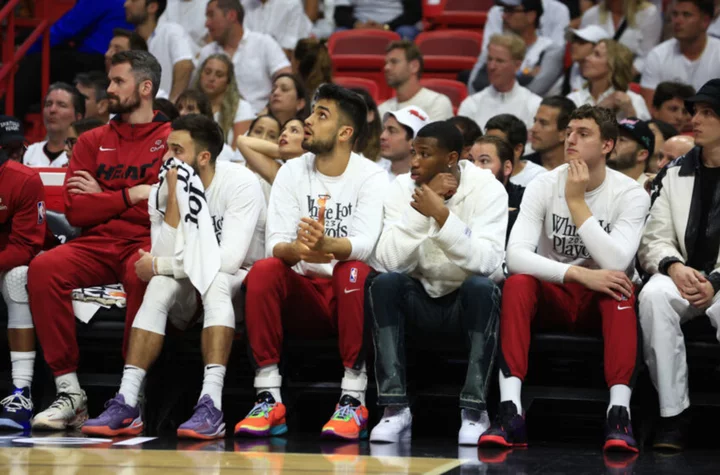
x=471, y=312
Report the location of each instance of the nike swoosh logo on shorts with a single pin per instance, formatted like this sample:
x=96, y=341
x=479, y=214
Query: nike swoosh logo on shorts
x=103, y=149
x=623, y=308
x=351, y=291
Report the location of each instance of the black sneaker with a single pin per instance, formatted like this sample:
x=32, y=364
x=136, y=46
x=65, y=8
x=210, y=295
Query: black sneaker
x=618, y=431
x=507, y=430
x=672, y=433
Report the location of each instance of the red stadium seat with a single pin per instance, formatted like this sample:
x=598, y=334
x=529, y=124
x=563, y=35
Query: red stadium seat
x=455, y=90
x=447, y=52
x=53, y=179
x=471, y=14
x=361, y=53
x=360, y=83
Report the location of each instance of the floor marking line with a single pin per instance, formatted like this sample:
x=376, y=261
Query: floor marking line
x=445, y=467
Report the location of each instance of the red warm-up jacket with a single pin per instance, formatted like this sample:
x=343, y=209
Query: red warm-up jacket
x=22, y=215
x=119, y=155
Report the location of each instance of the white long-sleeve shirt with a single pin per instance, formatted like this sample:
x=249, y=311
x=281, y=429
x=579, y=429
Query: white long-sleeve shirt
x=545, y=242
x=284, y=20
x=436, y=105
x=488, y=103
x=237, y=208
x=351, y=202
x=470, y=243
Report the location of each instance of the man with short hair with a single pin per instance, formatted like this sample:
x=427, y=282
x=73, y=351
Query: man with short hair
x=324, y=218
x=668, y=104
x=680, y=249
x=571, y=253
x=22, y=235
x=543, y=62
x=442, y=245
x=547, y=135
x=469, y=130
x=167, y=41
x=504, y=94
x=106, y=190
x=691, y=56
x=236, y=205
x=256, y=56
x=399, y=130
x=93, y=86
x=512, y=129
x=673, y=148
x=63, y=105
x=403, y=69
x=123, y=40
x=634, y=147
x=496, y=154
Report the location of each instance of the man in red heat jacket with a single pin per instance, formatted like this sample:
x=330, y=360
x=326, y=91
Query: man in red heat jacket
x=106, y=190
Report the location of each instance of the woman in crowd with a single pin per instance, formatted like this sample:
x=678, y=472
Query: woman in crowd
x=76, y=129
x=312, y=64
x=608, y=71
x=288, y=98
x=369, y=144
x=230, y=110
x=265, y=127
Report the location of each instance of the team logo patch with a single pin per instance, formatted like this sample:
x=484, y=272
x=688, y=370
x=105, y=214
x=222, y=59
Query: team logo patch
x=353, y=275
x=41, y=212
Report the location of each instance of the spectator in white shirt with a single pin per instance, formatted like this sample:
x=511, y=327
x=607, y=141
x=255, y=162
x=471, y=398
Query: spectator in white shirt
x=257, y=57
x=635, y=23
x=553, y=22
x=608, y=71
x=399, y=130
x=288, y=98
x=547, y=135
x=123, y=40
x=167, y=41
x=543, y=61
x=403, y=70
x=668, y=104
x=512, y=129
x=691, y=56
x=230, y=110
x=400, y=16
x=190, y=14
x=93, y=86
x=63, y=105
x=504, y=94
x=284, y=20
x=633, y=150
x=582, y=43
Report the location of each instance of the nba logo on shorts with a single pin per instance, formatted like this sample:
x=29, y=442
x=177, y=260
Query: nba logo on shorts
x=353, y=275
x=41, y=212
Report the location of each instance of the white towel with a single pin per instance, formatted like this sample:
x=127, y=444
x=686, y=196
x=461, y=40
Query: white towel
x=196, y=248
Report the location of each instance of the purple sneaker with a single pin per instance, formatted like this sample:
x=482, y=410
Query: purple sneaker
x=507, y=430
x=206, y=423
x=618, y=431
x=117, y=419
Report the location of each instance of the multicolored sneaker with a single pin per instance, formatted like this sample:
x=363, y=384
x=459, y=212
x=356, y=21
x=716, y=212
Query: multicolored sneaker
x=618, y=431
x=507, y=430
x=117, y=419
x=349, y=422
x=17, y=410
x=266, y=418
x=68, y=411
x=206, y=423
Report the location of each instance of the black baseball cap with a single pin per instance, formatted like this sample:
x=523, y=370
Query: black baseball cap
x=709, y=93
x=640, y=131
x=11, y=130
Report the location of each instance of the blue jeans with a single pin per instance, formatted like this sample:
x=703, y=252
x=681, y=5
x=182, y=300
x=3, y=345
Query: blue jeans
x=472, y=313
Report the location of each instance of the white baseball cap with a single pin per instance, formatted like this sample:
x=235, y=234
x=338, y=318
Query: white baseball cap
x=410, y=116
x=591, y=34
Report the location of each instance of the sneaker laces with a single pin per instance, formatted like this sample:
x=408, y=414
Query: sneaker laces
x=63, y=399
x=113, y=406
x=260, y=409
x=346, y=411
x=16, y=402
x=202, y=411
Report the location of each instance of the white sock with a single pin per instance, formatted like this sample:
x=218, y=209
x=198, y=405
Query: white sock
x=354, y=383
x=268, y=379
x=23, y=365
x=213, y=383
x=620, y=396
x=394, y=411
x=132, y=380
x=67, y=383
x=510, y=390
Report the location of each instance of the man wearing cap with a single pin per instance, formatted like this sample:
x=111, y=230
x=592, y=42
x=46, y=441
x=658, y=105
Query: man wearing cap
x=22, y=234
x=680, y=248
x=634, y=147
x=543, y=61
x=582, y=41
x=442, y=246
x=399, y=130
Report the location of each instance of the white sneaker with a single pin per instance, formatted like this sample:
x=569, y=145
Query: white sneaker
x=396, y=425
x=69, y=410
x=474, y=423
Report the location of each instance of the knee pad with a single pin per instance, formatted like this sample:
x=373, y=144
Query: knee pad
x=217, y=303
x=160, y=297
x=14, y=292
